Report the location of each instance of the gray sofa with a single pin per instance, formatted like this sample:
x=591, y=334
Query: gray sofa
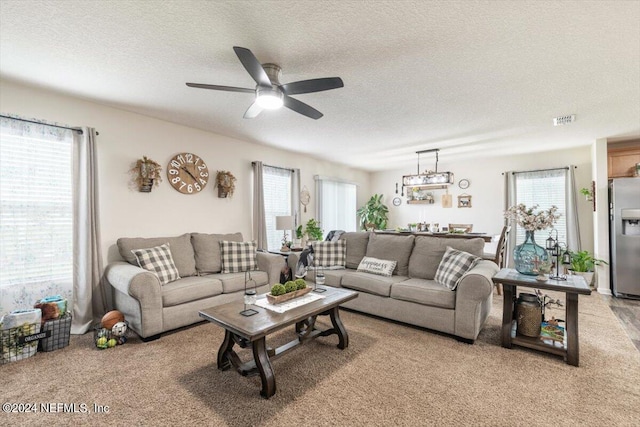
x=411, y=295
x=152, y=309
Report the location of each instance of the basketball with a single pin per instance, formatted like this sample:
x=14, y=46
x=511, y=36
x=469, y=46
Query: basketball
x=111, y=318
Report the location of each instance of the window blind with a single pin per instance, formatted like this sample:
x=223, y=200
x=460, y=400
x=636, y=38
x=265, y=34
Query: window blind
x=336, y=205
x=277, y=184
x=545, y=189
x=36, y=208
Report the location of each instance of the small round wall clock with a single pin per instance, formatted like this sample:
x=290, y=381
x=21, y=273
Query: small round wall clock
x=463, y=183
x=397, y=201
x=187, y=173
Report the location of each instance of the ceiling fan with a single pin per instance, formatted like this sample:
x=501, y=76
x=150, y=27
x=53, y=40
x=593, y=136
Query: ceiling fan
x=270, y=94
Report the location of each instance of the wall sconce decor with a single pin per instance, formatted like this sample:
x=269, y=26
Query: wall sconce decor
x=464, y=201
x=146, y=174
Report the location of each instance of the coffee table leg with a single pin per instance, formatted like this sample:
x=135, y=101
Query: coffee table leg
x=573, y=356
x=224, y=361
x=507, y=314
x=339, y=328
x=264, y=367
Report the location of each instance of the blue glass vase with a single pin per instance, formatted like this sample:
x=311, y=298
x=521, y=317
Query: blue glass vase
x=527, y=255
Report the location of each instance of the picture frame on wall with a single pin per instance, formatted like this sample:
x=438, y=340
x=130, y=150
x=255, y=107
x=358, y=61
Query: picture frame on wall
x=464, y=201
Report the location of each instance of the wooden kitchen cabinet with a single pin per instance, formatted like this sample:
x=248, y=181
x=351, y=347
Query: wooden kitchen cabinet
x=622, y=161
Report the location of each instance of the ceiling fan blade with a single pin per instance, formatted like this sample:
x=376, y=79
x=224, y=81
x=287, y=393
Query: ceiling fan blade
x=253, y=111
x=253, y=66
x=216, y=87
x=301, y=107
x=313, y=85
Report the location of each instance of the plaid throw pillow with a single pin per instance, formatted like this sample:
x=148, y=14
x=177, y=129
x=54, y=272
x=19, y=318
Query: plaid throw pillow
x=238, y=256
x=453, y=266
x=330, y=254
x=158, y=260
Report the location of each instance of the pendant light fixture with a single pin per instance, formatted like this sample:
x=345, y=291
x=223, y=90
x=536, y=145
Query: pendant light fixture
x=428, y=179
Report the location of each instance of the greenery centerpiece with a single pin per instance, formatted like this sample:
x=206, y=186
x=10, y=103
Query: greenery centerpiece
x=528, y=254
x=374, y=214
x=289, y=290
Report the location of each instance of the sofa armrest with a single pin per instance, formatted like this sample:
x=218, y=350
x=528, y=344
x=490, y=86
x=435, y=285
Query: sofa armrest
x=138, y=296
x=272, y=264
x=476, y=284
x=474, y=296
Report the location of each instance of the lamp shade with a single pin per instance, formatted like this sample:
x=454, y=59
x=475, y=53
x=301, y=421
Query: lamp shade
x=284, y=222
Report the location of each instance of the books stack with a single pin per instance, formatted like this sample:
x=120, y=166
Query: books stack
x=551, y=333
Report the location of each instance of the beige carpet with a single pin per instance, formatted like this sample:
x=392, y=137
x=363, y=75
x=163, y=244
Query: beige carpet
x=389, y=375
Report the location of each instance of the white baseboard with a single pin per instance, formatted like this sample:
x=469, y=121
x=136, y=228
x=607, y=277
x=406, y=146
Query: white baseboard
x=604, y=291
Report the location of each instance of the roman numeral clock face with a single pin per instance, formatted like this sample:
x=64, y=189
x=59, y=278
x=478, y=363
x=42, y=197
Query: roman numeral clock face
x=187, y=173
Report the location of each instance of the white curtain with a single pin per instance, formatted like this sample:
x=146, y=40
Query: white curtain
x=89, y=291
x=510, y=200
x=259, y=221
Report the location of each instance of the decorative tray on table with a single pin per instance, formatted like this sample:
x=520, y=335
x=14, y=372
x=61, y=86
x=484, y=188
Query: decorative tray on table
x=286, y=297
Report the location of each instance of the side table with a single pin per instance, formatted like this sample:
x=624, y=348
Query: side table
x=572, y=287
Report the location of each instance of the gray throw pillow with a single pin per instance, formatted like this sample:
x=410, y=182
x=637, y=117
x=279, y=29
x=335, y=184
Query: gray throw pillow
x=453, y=266
x=238, y=256
x=158, y=260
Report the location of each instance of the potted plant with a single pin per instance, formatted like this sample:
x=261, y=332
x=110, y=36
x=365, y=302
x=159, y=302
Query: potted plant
x=583, y=264
x=313, y=230
x=146, y=174
x=226, y=183
x=587, y=193
x=373, y=214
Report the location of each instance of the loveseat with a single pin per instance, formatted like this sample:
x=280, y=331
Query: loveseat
x=410, y=294
x=152, y=308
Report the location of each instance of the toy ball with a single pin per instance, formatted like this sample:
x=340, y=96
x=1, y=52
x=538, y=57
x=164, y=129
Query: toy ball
x=111, y=318
x=101, y=343
x=119, y=329
x=112, y=342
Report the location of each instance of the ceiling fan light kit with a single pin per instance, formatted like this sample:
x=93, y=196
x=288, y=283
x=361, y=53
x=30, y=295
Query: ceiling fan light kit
x=270, y=94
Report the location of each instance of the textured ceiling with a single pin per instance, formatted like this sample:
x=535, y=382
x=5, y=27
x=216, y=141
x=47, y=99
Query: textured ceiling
x=473, y=78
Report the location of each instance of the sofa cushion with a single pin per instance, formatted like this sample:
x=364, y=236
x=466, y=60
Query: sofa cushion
x=190, y=289
x=181, y=251
x=453, y=266
x=395, y=248
x=370, y=283
x=429, y=250
x=425, y=292
x=206, y=248
x=356, y=247
x=238, y=256
x=381, y=267
x=331, y=277
x=330, y=254
x=158, y=260
x=234, y=282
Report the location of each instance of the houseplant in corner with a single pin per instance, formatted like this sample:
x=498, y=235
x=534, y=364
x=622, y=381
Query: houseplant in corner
x=583, y=264
x=313, y=231
x=374, y=214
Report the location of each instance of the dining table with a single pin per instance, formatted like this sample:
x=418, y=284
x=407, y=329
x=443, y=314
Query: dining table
x=486, y=237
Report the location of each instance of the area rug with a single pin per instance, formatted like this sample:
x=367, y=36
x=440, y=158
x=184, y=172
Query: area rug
x=391, y=374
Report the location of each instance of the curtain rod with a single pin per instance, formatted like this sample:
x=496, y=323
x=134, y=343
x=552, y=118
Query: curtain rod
x=45, y=124
x=275, y=167
x=543, y=170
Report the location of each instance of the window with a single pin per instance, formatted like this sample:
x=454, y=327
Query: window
x=277, y=185
x=545, y=189
x=36, y=213
x=336, y=204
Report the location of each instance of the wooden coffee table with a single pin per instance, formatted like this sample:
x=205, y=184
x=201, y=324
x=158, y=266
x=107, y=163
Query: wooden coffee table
x=572, y=287
x=252, y=332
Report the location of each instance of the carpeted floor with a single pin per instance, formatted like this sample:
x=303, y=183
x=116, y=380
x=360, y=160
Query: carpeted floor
x=389, y=375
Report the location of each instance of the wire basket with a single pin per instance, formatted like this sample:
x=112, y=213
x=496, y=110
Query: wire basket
x=60, y=333
x=20, y=342
x=108, y=338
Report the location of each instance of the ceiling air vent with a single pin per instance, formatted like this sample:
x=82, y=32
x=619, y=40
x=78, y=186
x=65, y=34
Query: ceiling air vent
x=564, y=120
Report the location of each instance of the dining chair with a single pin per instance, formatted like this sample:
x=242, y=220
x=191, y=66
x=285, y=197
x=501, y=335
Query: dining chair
x=501, y=249
x=468, y=228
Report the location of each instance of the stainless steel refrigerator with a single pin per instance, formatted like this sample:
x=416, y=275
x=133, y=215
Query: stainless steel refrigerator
x=624, y=232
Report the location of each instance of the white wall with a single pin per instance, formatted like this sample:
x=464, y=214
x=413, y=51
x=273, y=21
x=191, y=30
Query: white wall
x=125, y=137
x=487, y=191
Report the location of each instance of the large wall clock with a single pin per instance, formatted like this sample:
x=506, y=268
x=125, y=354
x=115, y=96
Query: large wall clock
x=187, y=173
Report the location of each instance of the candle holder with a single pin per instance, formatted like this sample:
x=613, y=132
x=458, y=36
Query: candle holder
x=250, y=295
x=319, y=280
x=558, y=250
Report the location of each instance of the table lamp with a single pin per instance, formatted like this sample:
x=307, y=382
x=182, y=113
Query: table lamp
x=284, y=223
